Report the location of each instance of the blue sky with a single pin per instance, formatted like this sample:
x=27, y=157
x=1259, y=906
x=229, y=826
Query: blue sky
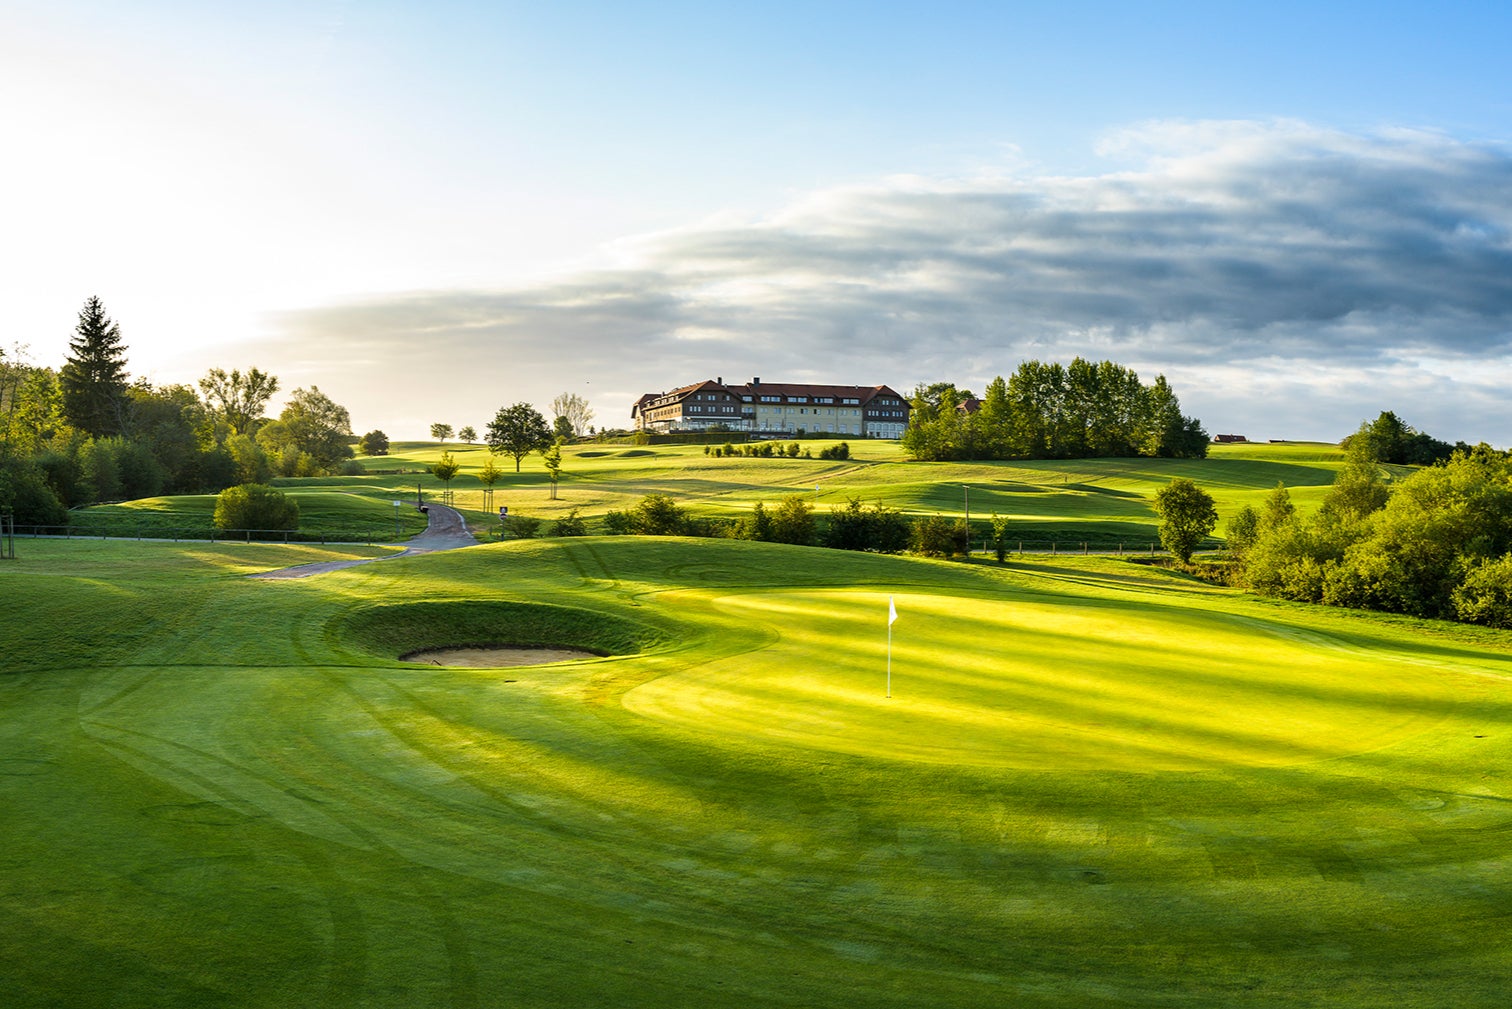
x=1298, y=212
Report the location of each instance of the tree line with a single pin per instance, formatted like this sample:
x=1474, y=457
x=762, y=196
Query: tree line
x=1436, y=543
x=1051, y=411
x=85, y=432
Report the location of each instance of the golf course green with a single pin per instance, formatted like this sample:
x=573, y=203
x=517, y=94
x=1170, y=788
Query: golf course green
x=1095, y=783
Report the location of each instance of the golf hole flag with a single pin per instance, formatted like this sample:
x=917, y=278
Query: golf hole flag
x=892, y=614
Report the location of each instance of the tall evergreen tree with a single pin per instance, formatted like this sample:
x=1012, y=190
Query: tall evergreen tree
x=93, y=377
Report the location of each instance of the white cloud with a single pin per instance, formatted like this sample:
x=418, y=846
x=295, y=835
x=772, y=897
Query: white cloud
x=1288, y=279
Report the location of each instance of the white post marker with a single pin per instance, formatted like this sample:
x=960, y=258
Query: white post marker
x=892, y=614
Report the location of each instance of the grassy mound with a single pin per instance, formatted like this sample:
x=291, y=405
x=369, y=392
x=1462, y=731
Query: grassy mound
x=1095, y=784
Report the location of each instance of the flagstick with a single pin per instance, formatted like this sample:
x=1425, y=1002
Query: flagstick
x=889, y=658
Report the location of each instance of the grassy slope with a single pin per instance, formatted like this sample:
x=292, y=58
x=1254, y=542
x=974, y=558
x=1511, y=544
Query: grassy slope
x=1096, y=784
x=1104, y=501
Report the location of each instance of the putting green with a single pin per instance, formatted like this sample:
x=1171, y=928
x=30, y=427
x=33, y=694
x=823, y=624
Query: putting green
x=1016, y=683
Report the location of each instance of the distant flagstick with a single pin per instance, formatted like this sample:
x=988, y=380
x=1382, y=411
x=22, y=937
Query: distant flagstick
x=892, y=614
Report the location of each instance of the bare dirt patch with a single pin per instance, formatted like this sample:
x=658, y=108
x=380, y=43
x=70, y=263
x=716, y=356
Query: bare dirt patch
x=493, y=658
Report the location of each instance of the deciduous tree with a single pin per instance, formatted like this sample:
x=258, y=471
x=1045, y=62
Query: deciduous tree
x=445, y=469
x=318, y=426
x=1187, y=515
x=236, y=398
x=575, y=409
x=552, y=456
x=518, y=431
x=374, y=443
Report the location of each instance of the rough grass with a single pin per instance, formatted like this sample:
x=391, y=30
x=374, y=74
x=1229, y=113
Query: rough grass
x=1095, y=784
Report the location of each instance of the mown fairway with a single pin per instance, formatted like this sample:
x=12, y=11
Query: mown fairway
x=1095, y=784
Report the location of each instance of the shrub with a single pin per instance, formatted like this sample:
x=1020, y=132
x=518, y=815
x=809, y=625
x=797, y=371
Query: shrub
x=849, y=526
x=25, y=494
x=756, y=526
x=1243, y=530
x=840, y=451
x=793, y=521
x=617, y=523
x=569, y=525
x=1485, y=596
x=522, y=527
x=658, y=515
x=255, y=506
x=1000, y=537
x=937, y=536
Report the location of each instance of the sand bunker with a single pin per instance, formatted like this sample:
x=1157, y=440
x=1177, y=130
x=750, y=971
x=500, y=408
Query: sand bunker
x=492, y=658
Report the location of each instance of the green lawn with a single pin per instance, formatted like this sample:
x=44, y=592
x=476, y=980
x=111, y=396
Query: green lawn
x=1103, y=502
x=1095, y=783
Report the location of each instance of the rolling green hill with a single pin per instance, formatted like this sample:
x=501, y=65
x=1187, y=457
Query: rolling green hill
x=1106, y=502
x=1094, y=783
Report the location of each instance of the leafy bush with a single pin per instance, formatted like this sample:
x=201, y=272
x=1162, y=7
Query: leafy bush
x=1000, y=536
x=793, y=521
x=756, y=526
x=255, y=506
x=569, y=525
x=25, y=494
x=937, y=536
x=1485, y=596
x=1243, y=530
x=840, y=451
x=878, y=528
x=523, y=527
x=658, y=515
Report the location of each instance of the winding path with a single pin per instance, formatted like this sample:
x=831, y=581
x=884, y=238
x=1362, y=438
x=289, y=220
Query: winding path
x=445, y=531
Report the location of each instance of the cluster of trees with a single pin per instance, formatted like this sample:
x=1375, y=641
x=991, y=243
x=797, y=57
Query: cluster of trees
x=84, y=432
x=1050, y=411
x=1388, y=439
x=1437, y=543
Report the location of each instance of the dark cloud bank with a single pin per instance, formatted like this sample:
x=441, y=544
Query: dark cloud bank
x=1289, y=281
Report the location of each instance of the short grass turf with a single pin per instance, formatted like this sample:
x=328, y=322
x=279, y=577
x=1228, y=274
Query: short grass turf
x=1094, y=784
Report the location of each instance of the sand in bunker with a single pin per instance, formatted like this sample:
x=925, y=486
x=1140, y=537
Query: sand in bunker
x=492, y=658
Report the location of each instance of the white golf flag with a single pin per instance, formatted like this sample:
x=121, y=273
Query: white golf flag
x=892, y=611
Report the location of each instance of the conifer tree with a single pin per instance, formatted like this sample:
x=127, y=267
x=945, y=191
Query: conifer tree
x=93, y=377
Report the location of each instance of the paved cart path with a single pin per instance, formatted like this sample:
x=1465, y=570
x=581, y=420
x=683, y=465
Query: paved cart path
x=445, y=531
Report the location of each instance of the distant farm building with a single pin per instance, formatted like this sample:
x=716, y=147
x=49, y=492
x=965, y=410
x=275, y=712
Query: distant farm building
x=1224, y=439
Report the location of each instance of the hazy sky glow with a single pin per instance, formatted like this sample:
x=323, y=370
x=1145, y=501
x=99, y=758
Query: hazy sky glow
x=1301, y=217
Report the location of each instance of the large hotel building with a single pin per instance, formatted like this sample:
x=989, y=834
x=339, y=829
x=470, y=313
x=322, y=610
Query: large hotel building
x=863, y=411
